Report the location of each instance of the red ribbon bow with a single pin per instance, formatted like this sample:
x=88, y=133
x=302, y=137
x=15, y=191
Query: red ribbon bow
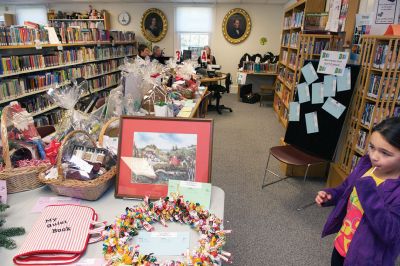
x=52, y=150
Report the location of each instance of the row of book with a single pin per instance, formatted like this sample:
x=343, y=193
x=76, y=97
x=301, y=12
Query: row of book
x=293, y=39
x=40, y=102
x=77, y=23
x=10, y=88
x=104, y=81
x=78, y=35
x=379, y=114
x=16, y=35
x=293, y=21
x=15, y=64
x=90, y=70
x=292, y=60
x=259, y=67
x=297, y=19
x=285, y=39
x=388, y=88
x=362, y=139
x=23, y=35
x=50, y=118
x=284, y=56
x=385, y=53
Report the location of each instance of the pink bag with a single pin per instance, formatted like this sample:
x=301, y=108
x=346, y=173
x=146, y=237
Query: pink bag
x=60, y=236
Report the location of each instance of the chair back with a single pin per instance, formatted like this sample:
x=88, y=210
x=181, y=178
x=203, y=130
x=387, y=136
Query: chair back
x=202, y=111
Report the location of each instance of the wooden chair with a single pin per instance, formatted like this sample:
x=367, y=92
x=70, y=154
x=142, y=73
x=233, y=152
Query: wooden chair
x=290, y=155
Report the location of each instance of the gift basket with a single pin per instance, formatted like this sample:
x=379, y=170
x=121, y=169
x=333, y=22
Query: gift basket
x=22, y=150
x=72, y=177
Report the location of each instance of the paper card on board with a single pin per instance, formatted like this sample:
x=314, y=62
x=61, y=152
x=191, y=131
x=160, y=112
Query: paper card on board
x=294, y=111
x=334, y=107
x=304, y=92
x=309, y=73
x=317, y=93
x=344, y=82
x=332, y=62
x=192, y=191
x=312, y=122
x=329, y=86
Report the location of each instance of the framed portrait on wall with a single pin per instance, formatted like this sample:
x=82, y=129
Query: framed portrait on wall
x=236, y=25
x=153, y=150
x=154, y=25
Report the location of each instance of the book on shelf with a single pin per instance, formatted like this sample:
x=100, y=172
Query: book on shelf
x=354, y=161
x=50, y=118
x=287, y=22
x=250, y=66
x=15, y=64
x=315, y=21
x=293, y=39
x=22, y=35
x=388, y=89
x=362, y=138
x=297, y=19
x=384, y=53
x=285, y=39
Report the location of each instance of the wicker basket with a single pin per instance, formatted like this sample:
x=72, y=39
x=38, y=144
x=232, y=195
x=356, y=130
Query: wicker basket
x=22, y=178
x=88, y=190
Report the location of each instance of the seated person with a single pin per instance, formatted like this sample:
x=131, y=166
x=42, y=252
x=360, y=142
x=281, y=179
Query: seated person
x=143, y=53
x=158, y=55
x=210, y=58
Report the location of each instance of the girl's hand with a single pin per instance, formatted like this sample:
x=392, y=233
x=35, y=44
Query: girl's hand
x=322, y=197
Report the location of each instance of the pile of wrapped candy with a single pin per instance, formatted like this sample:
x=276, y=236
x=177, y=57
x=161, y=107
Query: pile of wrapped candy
x=116, y=237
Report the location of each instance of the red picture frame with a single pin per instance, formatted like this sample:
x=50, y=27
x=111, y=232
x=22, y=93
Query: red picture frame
x=147, y=143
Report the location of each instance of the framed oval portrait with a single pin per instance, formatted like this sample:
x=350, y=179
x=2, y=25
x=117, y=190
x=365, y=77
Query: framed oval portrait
x=236, y=25
x=154, y=25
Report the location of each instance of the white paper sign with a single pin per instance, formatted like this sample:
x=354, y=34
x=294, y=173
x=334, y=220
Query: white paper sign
x=332, y=62
x=385, y=12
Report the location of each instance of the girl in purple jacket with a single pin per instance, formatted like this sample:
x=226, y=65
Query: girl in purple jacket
x=366, y=218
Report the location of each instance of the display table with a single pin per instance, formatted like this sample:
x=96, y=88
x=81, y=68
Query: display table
x=258, y=79
x=107, y=207
x=207, y=80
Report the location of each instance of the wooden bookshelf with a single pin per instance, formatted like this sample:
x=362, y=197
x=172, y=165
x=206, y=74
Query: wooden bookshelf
x=379, y=74
x=105, y=20
x=291, y=53
x=27, y=46
x=298, y=45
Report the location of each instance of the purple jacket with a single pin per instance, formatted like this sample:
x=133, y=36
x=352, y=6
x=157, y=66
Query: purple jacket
x=377, y=239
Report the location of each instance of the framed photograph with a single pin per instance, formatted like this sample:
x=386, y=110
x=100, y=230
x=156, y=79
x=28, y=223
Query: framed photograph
x=236, y=25
x=153, y=150
x=154, y=25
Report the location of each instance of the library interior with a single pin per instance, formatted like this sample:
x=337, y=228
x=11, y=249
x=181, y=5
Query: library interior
x=288, y=148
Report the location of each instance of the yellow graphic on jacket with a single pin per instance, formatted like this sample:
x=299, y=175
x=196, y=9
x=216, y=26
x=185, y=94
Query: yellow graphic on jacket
x=352, y=218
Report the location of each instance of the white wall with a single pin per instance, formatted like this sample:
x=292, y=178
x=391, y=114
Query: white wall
x=266, y=22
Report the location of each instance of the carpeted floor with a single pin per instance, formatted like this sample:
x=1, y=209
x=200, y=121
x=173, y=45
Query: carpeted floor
x=267, y=228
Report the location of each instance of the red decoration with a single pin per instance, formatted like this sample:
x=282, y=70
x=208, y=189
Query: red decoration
x=52, y=151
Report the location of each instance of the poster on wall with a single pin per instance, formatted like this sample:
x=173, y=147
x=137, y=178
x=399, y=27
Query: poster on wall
x=386, y=12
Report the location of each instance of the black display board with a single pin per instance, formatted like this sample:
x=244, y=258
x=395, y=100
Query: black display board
x=322, y=144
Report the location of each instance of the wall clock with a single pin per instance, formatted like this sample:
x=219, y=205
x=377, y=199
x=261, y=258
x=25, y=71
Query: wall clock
x=124, y=18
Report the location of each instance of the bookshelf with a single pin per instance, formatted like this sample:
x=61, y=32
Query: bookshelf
x=292, y=53
x=28, y=71
x=86, y=23
x=376, y=98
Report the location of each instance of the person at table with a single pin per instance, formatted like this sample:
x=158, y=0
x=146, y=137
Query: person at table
x=143, y=53
x=210, y=58
x=158, y=55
